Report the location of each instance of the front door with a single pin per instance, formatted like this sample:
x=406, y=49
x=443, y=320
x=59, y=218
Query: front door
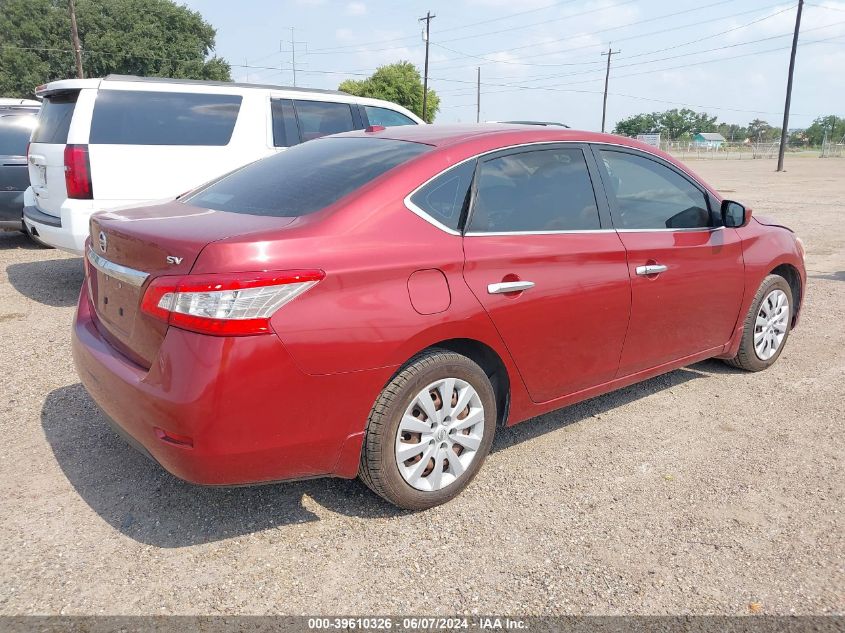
x=548, y=268
x=687, y=272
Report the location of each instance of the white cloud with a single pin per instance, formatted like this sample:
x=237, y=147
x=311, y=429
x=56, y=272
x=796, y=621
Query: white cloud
x=356, y=8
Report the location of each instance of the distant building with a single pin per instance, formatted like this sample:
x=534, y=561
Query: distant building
x=709, y=140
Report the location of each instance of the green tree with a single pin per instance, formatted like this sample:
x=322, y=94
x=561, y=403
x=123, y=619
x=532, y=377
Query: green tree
x=400, y=83
x=154, y=38
x=677, y=124
x=637, y=124
x=832, y=124
x=759, y=130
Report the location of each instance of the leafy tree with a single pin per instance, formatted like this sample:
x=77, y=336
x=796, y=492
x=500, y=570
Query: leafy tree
x=400, y=83
x=759, y=130
x=832, y=124
x=155, y=38
x=673, y=124
x=637, y=124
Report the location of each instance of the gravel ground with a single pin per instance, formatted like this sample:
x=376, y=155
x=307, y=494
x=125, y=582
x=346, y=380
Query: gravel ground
x=706, y=490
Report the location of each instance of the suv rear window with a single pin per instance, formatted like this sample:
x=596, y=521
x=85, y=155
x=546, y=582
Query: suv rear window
x=134, y=117
x=15, y=130
x=54, y=119
x=305, y=178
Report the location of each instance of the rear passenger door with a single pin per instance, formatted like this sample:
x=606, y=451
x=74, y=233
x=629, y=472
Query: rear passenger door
x=687, y=271
x=543, y=259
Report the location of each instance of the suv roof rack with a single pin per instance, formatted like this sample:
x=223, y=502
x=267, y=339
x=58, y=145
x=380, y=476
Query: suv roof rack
x=205, y=82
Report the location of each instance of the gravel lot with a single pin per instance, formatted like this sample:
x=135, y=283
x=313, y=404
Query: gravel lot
x=702, y=491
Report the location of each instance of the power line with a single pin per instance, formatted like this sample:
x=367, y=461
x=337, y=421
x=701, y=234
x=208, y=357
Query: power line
x=675, y=46
x=329, y=49
x=614, y=28
x=681, y=55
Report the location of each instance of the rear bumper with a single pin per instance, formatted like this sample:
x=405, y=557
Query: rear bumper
x=245, y=412
x=66, y=231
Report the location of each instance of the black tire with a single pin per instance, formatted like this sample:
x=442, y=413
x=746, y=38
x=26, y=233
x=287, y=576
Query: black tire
x=746, y=357
x=379, y=470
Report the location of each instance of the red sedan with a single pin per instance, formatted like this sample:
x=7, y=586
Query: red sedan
x=376, y=303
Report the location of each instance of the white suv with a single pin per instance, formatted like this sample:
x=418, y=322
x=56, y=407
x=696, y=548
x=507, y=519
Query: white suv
x=122, y=141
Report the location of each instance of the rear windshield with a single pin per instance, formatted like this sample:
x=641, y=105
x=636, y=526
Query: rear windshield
x=15, y=130
x=136, y=117
x=54, y=119
x=305, y=178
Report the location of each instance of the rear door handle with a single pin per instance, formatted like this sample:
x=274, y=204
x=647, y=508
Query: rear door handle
x=652, y=269
x=509, y=286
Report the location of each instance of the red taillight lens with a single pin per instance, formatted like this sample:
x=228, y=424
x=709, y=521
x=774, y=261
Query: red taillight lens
x=228, y=304
x=78, y=172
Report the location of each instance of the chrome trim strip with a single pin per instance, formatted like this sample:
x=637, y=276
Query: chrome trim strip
x=574, y=231
x=425, y=216
x=700, y=229
x=509, y=286
x=122, y=273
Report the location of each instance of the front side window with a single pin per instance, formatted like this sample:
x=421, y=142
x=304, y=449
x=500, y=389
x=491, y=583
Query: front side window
x=15, y=131
x=321, y=118
x=652, y=196
x=305, y=178
x=446, y=197
x=387, y=118
x=538, y=190
x=136, y=117
x=54, y=118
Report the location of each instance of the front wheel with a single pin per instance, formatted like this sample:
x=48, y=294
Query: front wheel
x=766, y=326
x=429, y=431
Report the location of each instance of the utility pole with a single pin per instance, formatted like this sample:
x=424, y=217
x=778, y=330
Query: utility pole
x=74, y=33
x=478, y=98
x=292, y=52
x=428, y=17
x=784, y=132
x=293, y=55
x=610, y=53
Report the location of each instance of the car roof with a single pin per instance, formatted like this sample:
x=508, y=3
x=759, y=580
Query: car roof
x=503, y=134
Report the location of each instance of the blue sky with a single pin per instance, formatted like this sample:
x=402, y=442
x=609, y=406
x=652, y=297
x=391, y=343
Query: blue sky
x=541, y=59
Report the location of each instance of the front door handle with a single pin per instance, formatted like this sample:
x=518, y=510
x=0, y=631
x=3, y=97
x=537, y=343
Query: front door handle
x=509, y=286
x=651, y=269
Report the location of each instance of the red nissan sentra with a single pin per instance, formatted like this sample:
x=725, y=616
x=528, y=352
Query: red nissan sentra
x=376, y=303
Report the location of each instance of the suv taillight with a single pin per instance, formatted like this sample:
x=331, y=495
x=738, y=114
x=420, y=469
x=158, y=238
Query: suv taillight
x=78, y=172
x=238, y=304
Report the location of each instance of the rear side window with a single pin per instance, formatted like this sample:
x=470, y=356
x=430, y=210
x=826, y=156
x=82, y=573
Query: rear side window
x=285, y=132
x=305, y=178
x=15, y=130
x=649, y=195
x=535, y=191
x=387, y=118
x=320, y=118
x=54, y=118
x=446, y=197
x=134, y=117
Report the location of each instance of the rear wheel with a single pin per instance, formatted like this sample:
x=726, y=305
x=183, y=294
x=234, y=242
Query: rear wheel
x=766, y=326
x=429, y=431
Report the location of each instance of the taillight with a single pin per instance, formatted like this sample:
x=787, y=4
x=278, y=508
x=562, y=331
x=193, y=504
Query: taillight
x=227, y=304
x=78, y=172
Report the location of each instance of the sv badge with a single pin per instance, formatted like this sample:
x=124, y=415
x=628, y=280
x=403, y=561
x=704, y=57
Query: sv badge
x=172, y=259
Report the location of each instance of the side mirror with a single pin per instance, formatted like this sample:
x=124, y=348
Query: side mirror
x=734, y=215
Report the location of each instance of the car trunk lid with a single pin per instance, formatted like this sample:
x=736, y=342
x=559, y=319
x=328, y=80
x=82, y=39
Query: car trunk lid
x=130, y=248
